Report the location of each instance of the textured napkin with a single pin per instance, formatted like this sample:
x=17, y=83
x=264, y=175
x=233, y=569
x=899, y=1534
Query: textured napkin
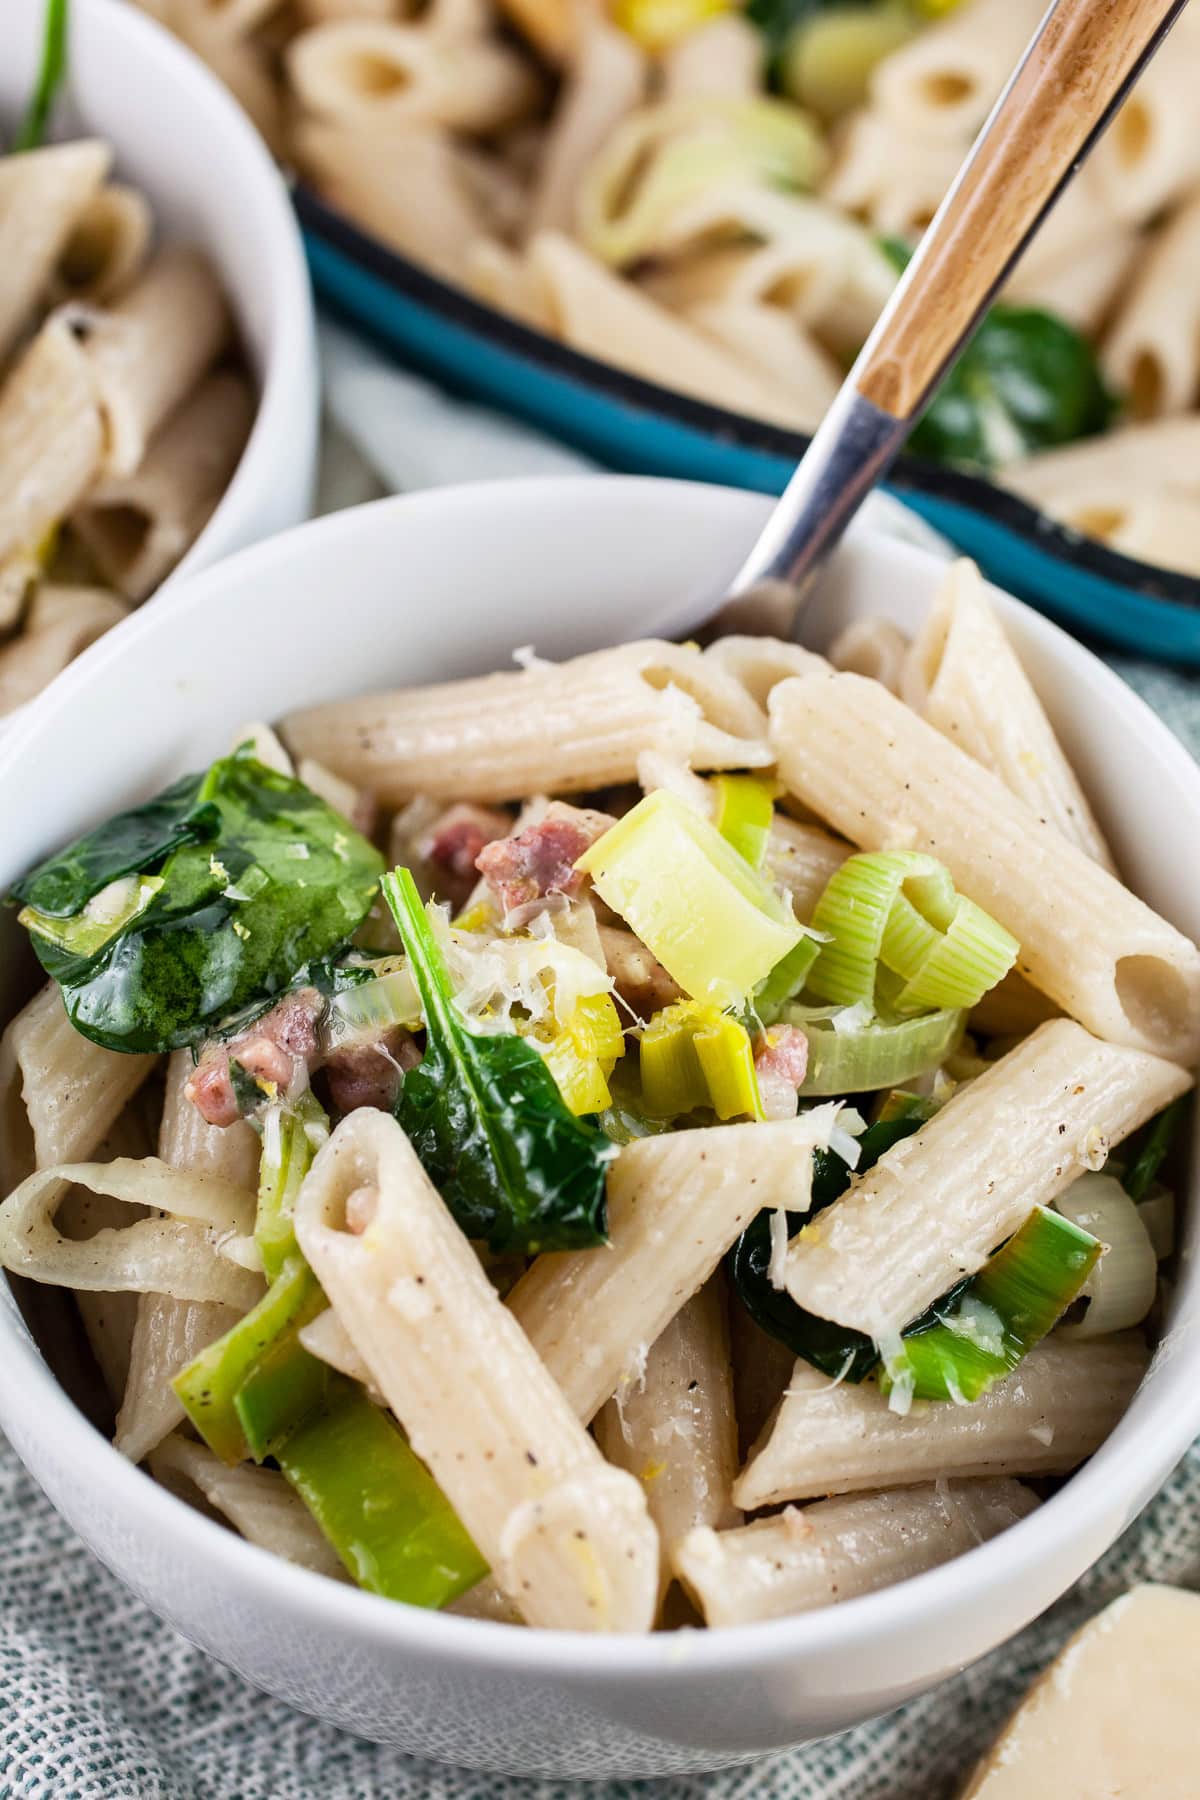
x=102, y=1701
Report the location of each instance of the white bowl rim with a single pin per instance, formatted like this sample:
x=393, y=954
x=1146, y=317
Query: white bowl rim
x=291, y=341
x=1079, y=1506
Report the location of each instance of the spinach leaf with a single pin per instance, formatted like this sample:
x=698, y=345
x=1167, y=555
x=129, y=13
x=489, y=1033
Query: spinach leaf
x=1148, y=1150
x=51, y=72
x=485, y=1116
x=254, y=877
x=1026, y=381
x=837, y=1350
x=777, y=20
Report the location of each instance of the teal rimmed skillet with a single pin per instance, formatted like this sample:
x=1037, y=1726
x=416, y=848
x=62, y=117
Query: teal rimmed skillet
x=641, y=428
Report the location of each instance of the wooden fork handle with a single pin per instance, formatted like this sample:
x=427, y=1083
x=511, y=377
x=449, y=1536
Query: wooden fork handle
x=1060, y=98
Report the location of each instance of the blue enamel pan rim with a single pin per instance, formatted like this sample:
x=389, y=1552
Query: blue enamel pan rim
x=943, y=494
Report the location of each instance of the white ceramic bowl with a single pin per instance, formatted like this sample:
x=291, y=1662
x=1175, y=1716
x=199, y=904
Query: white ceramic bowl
x=181, y=139
x=444, y=584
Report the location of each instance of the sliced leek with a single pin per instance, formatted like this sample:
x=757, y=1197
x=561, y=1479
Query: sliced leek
x=896, y=913
x=857, y=1058
x=694, y=1055
x=291, y=1137
x=582, y=1052
x=745, y=809
x=1121, y=1288
x=999, y=1316
x=712, y=921
x=827, y=62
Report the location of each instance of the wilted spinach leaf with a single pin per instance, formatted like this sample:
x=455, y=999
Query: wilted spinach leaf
x=253, y=876
x=1026, y=381
x=484, y=1114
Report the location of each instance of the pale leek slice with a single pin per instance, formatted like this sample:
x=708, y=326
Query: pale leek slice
x=744, y=813
x=1121, y=1288
x=896, y=913
x=1002, y=1312
x=694, y=1055
x=712, y=921
x=582, y=1053
x=846, y=1057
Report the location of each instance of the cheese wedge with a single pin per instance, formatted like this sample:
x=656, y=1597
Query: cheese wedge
x=1114, y=1717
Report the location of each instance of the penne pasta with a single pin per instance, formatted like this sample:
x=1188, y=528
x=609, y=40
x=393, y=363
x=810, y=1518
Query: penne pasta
x=801, y=858
x=1152, y=352
x=567, y=1536
x=607, y=79
x=1150, y=156
x=138, y=526
x=885, y=777
x=148, y=351
x=60, y=622
x=562, y=727
x=595, y=311
x=51, y=446
x=722, y=59
x=1055, y=1410
x=675, y=1428
x=167, y=1334
x=760, y=663
x=257, y=1502
x=942, y=84
x=964, y=677
x=936, y=1204
x=891, y=177
x=766, y=339
x=59, y=1093
x=1082, y=283
x=675, y=1205
x=43, y=196
x=820, y=1555
x=873, y=647
x=366, y=71
x=186, y=1254
x=762, y=1368
x=106, y=247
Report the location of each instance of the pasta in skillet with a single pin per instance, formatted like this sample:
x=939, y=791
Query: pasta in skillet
x=741, y=1085
x=124, y=406
x=717, y=198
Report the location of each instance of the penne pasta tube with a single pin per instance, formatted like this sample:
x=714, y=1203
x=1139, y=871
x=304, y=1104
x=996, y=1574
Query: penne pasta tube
x=935, y=1205
x=965, y=678
x=51, y=441
x=106, y=246
x=138, y=526
x=550, y=25
x=108, y=1319
x=43, y=194
x=365, y=71
x=942, y=83
x=557, y=728
x=1054, y=1410
x=819, y=1555
x=501, y=278
x=59, y=1093
x=1150, y=154
x=595, y=311
x=884, y=776
x=893, y=178
x=1152, y=352
x=801, y=858
x=723, y=58
x=873, y=647
x=675, y=1205
x=766, y=339
x=168, y=1332
x=568, y=1538
x=257, y=1502
x=59, y=624
x=185, y=1254
x=675, y=1428
x=1081, y=284
x=761, y=663
x=431, y=215
x=607, y=79
x=327, y=1338
x=150, y=349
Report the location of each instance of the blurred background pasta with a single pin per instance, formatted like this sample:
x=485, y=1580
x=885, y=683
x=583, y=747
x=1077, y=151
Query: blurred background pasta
x=719, y=198
x=124, y=406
